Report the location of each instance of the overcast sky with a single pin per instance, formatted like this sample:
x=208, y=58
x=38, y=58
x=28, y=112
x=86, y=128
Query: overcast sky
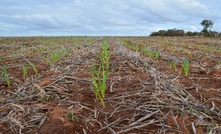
x=104, y=17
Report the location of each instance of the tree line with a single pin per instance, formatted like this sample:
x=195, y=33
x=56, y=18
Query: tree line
x=206, y=31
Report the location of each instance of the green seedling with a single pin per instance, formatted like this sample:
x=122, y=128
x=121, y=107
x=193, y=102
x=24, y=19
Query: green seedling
x=135, y=47
x=46, y=98
x=208, y=129
x=144, y=50
x=183, y=52
x=90, y=42
x=156, y=54
x=41, y=49
x=29, y=52
x=173, y=66
x=6, y=76
x=185, y=67
x=180, y=112
x=217, y=108
x=147, y=52
x=219, y=50
x=64, y=52
x=164, y=108
x=190, y=54
x=47, y=61
x=19, y=52
x=72, y=116
x=54, y=57
x=126, y=43
x=99, y=73
x=25, y=71
x=191, y=110
x=64, y=96
x=34, y=68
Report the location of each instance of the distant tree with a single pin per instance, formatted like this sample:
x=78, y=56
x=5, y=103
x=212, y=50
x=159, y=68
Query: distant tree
x=189, y=33
x=162, y=32
x=196, y=34
x=179, y=33
x=169, y=32
x=207, y=25
x=174, y=32
x=154, y=34
x=159, y=33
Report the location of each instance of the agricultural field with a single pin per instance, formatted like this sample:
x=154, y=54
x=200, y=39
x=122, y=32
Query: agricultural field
x=110, y=85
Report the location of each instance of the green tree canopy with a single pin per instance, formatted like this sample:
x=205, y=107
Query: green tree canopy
x=207, y=25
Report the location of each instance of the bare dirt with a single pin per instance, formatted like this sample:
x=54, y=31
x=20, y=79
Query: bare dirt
x=143, y=95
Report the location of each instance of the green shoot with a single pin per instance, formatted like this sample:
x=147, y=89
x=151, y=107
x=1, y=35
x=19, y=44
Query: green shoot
x=64, y=52
x=47, y=61
x=219, y=50
x=72, y=116
x=34, y=68
x=29, y=52
x=173, y=66
x=19, y=52
x=147, y=52
x=25, y=71
x=99, y=73
x=189, y=54
x=6, y=76
x=180, y=112
x=46, y=98
x=156, y=54
x=135, y=47
x=54, y=57
x=185, y=67
x=40, y=49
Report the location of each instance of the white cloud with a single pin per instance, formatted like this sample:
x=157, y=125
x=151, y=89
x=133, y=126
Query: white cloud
x=110, y=17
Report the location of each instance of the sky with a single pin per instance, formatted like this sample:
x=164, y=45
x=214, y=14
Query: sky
x=104, y=17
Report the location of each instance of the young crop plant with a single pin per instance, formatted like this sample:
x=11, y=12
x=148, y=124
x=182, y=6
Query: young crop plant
x=72, y=116
x=135, y=47
x=156, y=54
x=34, y=68
x=41, y=49
x=173, y=66
x=19, y=52
x=47, y=60
x=25, y=71
x=127, y=43
x=29, y=52
x=6, y=76
x=99, y=73
x=185, y=67
x=55, y=57
x=64, y=52
x=190, y=54
x=46, y=98
x=147, y=52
